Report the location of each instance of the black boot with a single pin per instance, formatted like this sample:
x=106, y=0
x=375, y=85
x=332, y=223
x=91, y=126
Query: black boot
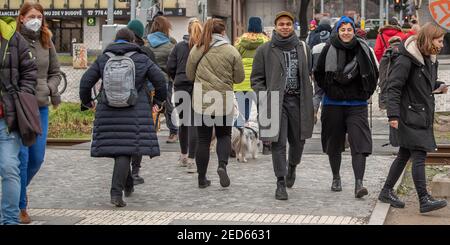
x=428, y=204
x=360, y=190
x=118, y=202
x=203, y=182
x=137, y=180
x=290, y=178
x=280, y=193
x=128, y=191
x=388, y=196
x=336, y=184
x=267, y=149
x=223, y=176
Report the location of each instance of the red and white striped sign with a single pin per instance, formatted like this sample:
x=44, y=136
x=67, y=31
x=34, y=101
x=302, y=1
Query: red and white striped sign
x=440, y=11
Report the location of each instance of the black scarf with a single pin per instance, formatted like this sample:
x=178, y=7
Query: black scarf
x=285, y=44
x=366, y=64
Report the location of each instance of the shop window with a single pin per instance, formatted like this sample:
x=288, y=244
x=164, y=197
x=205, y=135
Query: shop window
x=75, y=4
x=46, y=4
x=103, y=4
x=91, y=4
x=15, y=4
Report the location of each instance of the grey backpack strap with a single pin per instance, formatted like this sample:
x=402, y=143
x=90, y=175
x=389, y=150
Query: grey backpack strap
x=110, y=55
x=129, y=54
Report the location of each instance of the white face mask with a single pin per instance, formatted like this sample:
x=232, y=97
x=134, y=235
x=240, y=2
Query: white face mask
x=34, y=24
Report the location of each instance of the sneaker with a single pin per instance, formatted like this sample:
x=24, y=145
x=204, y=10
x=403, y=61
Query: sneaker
x=191, y=166
x=183, y=162
x=336, y=185
x=137, y=180
x=24, y=217
x=203, y=183
x=173, y=138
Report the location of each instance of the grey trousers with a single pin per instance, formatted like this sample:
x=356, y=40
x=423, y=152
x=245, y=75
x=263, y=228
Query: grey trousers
x=289, y=132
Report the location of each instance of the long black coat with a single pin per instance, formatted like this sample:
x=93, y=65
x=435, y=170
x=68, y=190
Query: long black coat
x=176, y=66
x=125, y=131
x=410, y=98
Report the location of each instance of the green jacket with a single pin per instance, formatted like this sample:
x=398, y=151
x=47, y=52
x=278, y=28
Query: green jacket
x=247, y=45
x=216, y=72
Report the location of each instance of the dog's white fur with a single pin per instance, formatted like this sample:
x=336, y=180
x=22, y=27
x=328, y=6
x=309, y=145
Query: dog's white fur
x=244, y=141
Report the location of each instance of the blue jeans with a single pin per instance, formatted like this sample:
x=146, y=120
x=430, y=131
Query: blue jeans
x=31, y=158
x=9, y=172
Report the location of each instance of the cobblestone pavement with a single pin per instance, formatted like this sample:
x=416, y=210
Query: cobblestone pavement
x=73, y=188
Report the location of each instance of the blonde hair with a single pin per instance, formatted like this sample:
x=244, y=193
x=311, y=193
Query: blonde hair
x=195, y=32
x=426, y=35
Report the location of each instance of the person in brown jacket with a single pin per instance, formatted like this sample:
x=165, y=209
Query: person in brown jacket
x=32, y=25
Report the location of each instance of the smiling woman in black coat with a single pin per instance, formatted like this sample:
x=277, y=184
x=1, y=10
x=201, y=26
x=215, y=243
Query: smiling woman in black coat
x=120, y=133
x=410, y=109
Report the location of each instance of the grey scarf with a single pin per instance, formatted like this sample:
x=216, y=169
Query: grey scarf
x=285, y=44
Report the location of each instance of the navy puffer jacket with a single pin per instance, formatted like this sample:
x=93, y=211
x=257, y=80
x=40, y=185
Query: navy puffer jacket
x=125, y=131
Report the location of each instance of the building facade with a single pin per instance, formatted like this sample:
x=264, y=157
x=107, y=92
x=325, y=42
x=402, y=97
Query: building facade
x=81, y=21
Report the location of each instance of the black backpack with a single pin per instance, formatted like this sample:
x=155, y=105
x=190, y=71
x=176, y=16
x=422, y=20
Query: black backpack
x=386, y=63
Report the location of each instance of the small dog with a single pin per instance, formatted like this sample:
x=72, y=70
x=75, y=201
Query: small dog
x=244, y=140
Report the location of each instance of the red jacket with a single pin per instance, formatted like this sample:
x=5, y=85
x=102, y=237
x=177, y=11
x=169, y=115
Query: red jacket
x=385, y=33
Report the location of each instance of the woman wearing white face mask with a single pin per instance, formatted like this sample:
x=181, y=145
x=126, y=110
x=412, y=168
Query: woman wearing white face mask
x=33, y=27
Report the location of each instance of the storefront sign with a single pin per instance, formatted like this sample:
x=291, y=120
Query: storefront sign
x=440, y=11
x=174, y=11
x=71, y=12
x=91, y=21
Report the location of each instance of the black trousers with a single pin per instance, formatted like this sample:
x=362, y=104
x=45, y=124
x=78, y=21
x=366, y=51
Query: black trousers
x=121, y=178
x=289, y=132
x=187, y=133
x=223, y=147
x=418, y=169
x=337, y=121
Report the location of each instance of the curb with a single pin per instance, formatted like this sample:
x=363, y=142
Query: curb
x=379, y=214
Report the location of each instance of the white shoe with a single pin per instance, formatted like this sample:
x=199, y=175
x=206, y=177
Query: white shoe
x=191, y=166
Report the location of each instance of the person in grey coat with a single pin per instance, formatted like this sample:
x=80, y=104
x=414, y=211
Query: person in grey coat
x=281, y=68
x=120, y=133
x=410, y=108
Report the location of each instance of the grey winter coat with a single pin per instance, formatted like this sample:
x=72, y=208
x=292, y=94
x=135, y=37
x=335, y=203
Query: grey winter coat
x=268, y=74
x=48, y=76
x=410, y=98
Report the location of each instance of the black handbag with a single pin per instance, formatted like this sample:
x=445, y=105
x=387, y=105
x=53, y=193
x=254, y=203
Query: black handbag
x=26, y=105
x=351, y=70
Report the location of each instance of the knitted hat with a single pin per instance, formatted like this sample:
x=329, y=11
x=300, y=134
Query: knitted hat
x=284, y=14
x=137, y=27
x=347, y=20
x=255, y=25
x=393, y=21
x=324, y=36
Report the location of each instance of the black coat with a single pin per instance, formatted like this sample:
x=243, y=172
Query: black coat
x=19, y=67
x=176, y=66
x=125, y=131
x=410, y=98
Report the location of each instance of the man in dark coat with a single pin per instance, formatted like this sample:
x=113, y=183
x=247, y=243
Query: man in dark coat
x=120, y=133
x=19, y=67
x=281, y=71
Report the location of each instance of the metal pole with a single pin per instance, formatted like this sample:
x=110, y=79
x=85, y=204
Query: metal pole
x=363, y=14
x=387, y=12
x=381, y=10
x=110, y=19
x=322, y=7
x=133, y=9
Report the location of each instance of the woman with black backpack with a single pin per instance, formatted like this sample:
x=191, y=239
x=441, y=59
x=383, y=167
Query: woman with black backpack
x=123, y=125
x=410, y=109
x=346, y=71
